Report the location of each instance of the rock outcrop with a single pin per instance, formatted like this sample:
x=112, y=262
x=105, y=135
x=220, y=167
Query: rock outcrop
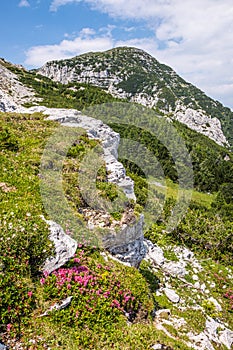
x=7, y=103
x=12, y=92
x=198, y=120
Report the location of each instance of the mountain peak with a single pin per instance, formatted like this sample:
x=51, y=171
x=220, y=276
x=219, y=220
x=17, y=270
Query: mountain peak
x=134, y=75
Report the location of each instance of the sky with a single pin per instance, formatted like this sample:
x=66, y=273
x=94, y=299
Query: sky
x=194, y=37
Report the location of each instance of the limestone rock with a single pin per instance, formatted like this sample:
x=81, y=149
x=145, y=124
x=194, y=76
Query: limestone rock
x=171, y=295
x=199, y=341
x=3, y=347
x=65, y=247
x=64, y=303
x=161, y=347
x=175, y=268
x=219, y=333
x=6, y=103
x=96, y=129
x=200, y=122
x=12, y=92
x=154, y=254
x=226, y=338
x=127, y=244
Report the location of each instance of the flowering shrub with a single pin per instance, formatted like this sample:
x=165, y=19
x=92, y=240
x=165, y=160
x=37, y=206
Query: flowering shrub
x=229, y=295
x=98, y=295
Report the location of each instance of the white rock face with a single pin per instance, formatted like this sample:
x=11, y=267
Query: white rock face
x=197, y=120
x=218, y=333
x=127, y=244
x=65, y=247
x=7, y=103
x=12, y=92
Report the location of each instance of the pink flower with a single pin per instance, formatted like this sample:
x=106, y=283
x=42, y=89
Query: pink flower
x=115, y=303
x=69, y=286
x=42, y=281
x=30, y=294
x=77, y=260
x=8, y=327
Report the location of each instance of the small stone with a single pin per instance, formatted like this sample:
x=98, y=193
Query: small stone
x=203, y=287
x=197, y=285
x=157, y=347
x=175, y=268
x=171, y=295
x=155, y=253
x=163, y=313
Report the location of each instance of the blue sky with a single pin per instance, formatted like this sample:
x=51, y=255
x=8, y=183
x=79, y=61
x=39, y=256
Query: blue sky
x=194, y=37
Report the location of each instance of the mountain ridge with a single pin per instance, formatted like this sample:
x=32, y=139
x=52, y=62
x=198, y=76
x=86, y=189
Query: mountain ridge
x=134, y=75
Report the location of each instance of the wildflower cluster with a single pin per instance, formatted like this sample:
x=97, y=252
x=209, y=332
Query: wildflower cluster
x=96, y=290
x=229, y=295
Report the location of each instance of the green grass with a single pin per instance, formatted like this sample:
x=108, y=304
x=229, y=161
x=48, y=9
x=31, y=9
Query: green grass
x=171, y=189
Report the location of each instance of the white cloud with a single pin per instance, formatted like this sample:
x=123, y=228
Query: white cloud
x=24, y=3
x=38, y=55
x=87, y=32
x=57, y=3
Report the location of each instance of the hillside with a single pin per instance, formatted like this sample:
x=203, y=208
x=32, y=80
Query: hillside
x=87, y=257
x=134, y=75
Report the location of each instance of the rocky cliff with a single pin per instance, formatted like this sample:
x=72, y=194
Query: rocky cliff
x=12, y=91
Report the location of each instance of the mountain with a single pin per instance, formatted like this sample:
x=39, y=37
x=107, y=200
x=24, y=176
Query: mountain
x=136, y=76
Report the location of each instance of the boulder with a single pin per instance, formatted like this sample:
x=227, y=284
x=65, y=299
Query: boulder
x=65, y=247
